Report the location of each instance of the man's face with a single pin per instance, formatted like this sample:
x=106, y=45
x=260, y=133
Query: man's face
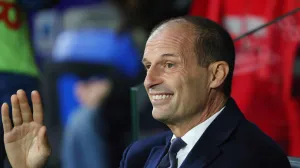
x=177, y=86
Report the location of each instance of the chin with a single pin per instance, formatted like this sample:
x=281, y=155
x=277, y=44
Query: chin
x=161, y=116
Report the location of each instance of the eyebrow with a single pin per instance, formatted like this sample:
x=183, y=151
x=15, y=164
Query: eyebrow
x=163, y=55
x=169, y=55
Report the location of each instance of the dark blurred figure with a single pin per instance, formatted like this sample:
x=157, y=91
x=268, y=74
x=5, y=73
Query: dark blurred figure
x=98, y=118
x=100, y=125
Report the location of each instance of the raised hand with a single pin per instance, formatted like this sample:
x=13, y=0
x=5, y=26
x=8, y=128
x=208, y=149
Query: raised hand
x=26, y=143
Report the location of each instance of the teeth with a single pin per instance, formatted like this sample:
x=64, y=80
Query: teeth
x=160, y=97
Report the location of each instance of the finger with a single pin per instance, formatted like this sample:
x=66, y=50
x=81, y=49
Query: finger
x=38, y=115
x=16, y=112
x=24, y=106
x=5, y=118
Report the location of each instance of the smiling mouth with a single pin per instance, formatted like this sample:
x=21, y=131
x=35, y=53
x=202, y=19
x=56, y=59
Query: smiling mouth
x=161, y=97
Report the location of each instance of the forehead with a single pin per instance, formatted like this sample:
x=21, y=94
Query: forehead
x=172, y=38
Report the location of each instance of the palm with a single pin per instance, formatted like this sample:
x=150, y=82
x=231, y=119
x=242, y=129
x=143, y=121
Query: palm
x=22, y=141
x=25, y=143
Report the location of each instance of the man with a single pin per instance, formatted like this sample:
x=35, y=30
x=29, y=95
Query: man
x=81, y=133
x=189, y=62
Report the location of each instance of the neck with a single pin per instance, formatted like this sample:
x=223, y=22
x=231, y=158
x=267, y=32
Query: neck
x=212, y=106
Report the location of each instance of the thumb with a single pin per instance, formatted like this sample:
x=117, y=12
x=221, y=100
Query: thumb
x=42, y=138
x=42, y=134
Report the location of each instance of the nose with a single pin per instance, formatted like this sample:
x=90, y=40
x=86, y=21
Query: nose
x=152, y=78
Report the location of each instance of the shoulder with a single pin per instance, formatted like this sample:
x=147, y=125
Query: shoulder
x=137, y=153
x=253, y=145
x=249, y=133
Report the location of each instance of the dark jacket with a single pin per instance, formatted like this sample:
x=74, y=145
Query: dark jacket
x=230, y=141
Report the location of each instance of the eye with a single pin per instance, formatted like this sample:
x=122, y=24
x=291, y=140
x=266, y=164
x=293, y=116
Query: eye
x=169, y=65
x=147, y=66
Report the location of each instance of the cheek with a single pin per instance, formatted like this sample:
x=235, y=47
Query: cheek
x=192, y=97
x=180, y=82
x=196, y=86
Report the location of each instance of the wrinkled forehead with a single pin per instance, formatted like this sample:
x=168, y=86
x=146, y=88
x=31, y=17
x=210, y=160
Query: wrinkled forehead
x=172, y=38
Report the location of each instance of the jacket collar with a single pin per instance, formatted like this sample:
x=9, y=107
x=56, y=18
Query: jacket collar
x=208, y=146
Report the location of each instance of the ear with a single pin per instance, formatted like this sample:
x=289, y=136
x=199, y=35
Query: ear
x=218, y=72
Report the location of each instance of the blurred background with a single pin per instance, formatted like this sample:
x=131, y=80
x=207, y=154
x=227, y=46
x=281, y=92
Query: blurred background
x=84, y=57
